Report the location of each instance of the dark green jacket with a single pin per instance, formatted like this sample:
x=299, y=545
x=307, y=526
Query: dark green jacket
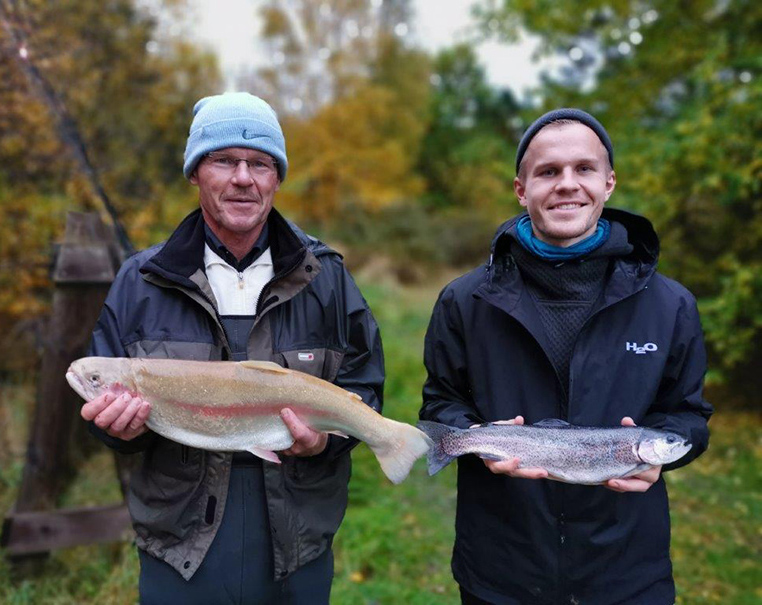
x=161, y=305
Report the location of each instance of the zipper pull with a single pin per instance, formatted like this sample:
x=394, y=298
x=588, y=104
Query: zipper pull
x=240, y=280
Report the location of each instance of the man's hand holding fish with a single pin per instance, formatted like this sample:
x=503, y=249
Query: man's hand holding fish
x=307, y=442
x=511, y=466
x=120, y=415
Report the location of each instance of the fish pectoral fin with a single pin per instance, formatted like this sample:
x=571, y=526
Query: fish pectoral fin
x=338, y=434
x=264, y=454
x=264, y=366
x=552, y=423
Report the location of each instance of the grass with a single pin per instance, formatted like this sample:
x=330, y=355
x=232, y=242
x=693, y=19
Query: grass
x=394, y=545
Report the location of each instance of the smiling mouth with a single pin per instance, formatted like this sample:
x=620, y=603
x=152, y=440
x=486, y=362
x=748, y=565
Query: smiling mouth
x=568, y=206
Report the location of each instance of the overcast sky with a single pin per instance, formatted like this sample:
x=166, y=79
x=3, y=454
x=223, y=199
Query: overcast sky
x=231, y=26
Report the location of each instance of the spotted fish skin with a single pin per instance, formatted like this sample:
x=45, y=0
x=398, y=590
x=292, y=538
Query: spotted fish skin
x=573, y=454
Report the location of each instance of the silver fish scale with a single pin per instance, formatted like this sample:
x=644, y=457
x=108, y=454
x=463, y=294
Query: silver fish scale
x=574, y=454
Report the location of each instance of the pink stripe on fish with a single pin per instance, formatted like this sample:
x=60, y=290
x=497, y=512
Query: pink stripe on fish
x=233, y=411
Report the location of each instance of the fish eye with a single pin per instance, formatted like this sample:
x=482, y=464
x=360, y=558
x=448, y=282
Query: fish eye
x=671, y=439
x=95, y=378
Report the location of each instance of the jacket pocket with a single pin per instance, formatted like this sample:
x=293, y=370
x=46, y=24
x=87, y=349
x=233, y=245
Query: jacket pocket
x=165, y=491
x=174, y=460
x=321, y=362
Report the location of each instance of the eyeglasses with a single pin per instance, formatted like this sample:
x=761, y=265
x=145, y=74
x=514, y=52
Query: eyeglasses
x=228, y=164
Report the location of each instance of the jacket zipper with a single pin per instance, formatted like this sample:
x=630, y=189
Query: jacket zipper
x=574, y=347
x=562, y=587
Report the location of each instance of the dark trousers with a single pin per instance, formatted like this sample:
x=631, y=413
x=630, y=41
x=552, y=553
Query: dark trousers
x=238, y=569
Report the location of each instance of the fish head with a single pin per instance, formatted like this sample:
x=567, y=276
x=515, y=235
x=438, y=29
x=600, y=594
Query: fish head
x=662, y=447
x=93, y=376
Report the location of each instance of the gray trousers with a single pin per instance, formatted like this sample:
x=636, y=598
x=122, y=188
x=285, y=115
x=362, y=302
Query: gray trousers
x=238, y=569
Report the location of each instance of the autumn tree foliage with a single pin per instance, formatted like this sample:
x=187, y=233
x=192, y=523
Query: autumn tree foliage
x=352, y=95
x=126, y=95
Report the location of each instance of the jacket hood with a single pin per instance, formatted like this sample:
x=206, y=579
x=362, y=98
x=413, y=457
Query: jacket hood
x=640, y=234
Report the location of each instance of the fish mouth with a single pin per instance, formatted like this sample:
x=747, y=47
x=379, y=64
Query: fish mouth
x=75, y=382
x=681, y=450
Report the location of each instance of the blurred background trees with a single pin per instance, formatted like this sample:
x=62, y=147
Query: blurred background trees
x=394, y=152
x=128, y=97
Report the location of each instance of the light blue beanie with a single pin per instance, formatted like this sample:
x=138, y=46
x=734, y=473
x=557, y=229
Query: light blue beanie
x=234, y=119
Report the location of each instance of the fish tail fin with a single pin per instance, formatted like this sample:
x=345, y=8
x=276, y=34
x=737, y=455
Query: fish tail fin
x=437, y=457
x=397, y=455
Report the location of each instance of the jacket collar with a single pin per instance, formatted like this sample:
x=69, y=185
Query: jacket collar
x=183, y=253
x=503, y=285
x=640, y=233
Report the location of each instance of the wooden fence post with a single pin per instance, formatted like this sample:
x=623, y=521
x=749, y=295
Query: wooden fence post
x=84, y=269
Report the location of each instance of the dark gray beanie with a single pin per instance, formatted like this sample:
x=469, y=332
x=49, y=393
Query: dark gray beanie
x=564, y=114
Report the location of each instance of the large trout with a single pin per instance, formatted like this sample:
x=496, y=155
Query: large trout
x=573, y=454
x=235, y=406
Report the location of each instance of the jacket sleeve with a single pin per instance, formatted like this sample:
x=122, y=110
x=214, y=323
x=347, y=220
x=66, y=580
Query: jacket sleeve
x=362, y=366
x=446, y=392
x=106, y=342
x=680, y=405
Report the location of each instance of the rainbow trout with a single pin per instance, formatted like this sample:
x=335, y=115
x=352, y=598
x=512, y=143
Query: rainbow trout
x=235, y=406
x=573, y=454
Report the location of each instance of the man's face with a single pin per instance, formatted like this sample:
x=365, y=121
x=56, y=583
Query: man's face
x=564, y=182
x=235, y=200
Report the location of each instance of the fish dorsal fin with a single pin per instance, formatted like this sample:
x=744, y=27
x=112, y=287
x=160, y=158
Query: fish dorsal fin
x=263, y=366
x=552, y=423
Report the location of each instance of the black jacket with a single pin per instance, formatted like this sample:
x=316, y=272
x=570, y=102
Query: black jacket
x=539, y=541
x=161, y=305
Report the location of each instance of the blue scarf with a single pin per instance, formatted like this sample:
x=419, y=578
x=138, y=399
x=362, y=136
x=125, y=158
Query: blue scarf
x=557, y=253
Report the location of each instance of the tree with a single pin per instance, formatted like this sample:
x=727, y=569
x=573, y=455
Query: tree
x=127, y=97
x=352, y=98
x=467, y=155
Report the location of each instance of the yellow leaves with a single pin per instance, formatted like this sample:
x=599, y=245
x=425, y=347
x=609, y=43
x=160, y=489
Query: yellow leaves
x=350, y=152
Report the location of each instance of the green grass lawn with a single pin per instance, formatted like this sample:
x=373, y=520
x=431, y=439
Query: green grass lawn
x=394, y=545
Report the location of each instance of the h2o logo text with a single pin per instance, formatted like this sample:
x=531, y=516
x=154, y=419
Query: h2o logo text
x=649, y=347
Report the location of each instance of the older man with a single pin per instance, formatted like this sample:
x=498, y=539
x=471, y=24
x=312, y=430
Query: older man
x=569, y=320
x=237, y=281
